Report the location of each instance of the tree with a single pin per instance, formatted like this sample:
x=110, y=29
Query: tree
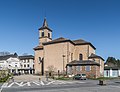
x=118, y=62
x=112, y=62
x=51, y=70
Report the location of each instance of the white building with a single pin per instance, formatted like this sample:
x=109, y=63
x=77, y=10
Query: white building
x=111, y=71
x=14, y=64
x=3, y=65
x=17, y=64
x=27, y=64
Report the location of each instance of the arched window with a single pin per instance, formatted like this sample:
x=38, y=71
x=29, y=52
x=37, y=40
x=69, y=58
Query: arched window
x=80, y=57
x=48, y=35
x=42, y=34
x=71, y=56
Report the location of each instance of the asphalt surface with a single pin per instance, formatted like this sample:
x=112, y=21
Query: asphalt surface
x=86, y=87
x=47, y=88
x=33, y=85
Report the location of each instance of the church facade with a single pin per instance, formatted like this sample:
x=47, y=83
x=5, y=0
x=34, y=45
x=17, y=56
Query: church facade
x=65, y=55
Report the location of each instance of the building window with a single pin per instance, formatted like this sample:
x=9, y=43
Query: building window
x=42, y=34
x=33, y=66
x=80, y=57
x=114, y=73
x=28, y=61
x=88, y=68
x=48, y=35
x=69, y=69
x=78, y=68
x=71, y=56
x=24, y=65
x=15, y=65
x=28, y=65
x=24, y=61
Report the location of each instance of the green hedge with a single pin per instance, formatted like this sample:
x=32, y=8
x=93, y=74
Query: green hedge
x=4, y=79
x=63, y=78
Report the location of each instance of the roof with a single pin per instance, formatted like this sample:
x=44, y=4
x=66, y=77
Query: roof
x=95, y=56
x=45, y=25
x=82, y=42
x=38, y=48
x=75, y=42
x=26, y=57
x=58, y=40
x=83, y=62
x=113, y=68
x=7, y=57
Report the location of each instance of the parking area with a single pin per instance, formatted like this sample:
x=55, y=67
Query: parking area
x=25, y=78
x=32, y=82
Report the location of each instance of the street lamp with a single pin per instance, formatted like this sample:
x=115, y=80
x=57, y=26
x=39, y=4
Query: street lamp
x=63, y=62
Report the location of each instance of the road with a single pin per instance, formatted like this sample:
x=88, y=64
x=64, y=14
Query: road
x=30, y=83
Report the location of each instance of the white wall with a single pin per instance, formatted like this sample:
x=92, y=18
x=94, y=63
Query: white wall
x=111, y=73
x=3, y=65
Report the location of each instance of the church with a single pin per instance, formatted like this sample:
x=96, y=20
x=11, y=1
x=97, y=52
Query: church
x=66, y=56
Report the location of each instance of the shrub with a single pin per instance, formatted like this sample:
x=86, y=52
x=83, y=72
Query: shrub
x=4, y=79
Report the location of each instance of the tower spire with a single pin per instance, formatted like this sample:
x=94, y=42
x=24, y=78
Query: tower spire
x=45, y=23
x=45, y=33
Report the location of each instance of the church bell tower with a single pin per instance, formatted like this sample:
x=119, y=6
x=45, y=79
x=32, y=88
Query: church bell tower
x=45, y=33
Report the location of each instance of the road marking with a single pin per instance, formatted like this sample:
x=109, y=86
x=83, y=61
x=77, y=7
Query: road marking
x=21, y=84
x=50, y=82
x=11, y=84
x=3, y=86
x=42, y=83
x=36, y=83
x=28, y=84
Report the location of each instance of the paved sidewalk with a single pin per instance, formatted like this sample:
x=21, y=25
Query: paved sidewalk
x=26, y=78
x=30, y=78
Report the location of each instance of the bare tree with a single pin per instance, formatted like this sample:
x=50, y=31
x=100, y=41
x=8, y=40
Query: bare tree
x=51, y=70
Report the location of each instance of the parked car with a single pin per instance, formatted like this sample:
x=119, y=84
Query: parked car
x=79, y=77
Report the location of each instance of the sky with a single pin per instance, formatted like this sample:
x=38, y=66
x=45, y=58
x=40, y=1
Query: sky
x=96, y=21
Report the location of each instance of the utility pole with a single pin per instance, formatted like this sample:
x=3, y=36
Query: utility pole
x=63, y=63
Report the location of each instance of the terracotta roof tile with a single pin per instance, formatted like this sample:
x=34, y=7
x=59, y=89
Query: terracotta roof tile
x=79, y=41
x=83, y=62
x=82, y=42
x=95, y=56
x=58, y=40
x=38, y=48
